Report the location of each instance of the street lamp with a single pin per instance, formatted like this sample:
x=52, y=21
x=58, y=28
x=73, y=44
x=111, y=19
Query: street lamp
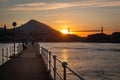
x=14, y=24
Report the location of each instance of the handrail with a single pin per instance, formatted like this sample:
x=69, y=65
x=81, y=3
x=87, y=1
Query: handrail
x=7, y=52
x=51, y=63
x=74, y=73
x=59, y=60
x=59, y=76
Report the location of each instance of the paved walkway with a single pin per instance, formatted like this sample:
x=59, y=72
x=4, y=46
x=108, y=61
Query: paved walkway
x=26, y=67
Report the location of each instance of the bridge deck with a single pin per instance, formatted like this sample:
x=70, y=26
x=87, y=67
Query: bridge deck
x=28, y=66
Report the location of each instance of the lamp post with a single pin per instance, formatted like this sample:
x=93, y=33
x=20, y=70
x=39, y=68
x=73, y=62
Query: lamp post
x=14, y=24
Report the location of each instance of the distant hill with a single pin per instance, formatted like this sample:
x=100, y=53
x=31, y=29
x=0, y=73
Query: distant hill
x=35, y=26
x=42, y=32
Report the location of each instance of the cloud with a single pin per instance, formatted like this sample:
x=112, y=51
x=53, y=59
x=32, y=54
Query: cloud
x=4, y=0
x=40, y=6
x=57, y=5
x=63, y=21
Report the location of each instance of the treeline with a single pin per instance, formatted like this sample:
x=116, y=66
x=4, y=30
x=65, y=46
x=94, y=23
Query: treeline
x=11, y=35
x=6, y=35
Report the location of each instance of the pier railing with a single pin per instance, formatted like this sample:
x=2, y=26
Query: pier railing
x=51, y=61
x=8, y=52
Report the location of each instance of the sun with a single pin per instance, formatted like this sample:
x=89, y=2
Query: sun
x=64, y=31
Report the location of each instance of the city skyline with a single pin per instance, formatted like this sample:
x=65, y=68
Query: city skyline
x=62, y=14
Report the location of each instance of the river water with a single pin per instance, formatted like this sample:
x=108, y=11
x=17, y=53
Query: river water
x=93, y=61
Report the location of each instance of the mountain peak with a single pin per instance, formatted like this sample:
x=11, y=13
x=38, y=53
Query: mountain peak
x=33, y=21
x=36, y=26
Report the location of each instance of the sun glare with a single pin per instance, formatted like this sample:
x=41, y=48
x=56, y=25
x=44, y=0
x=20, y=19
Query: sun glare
x=64, y=31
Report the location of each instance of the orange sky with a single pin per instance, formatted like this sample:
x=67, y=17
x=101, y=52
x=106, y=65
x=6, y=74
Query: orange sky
x=61, y=14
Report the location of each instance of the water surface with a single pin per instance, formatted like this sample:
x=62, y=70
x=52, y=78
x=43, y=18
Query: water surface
x=93, y=61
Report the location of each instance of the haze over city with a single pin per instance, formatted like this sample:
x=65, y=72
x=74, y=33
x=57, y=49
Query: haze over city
x=61, y=14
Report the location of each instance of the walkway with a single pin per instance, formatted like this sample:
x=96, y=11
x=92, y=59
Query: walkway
x=26, y=67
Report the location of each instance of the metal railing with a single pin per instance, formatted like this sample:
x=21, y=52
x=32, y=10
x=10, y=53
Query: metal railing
x=51, y=61
x=8, y=52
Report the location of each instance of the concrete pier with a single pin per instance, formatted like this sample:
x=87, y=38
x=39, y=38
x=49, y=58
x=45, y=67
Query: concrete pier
x=28, y=66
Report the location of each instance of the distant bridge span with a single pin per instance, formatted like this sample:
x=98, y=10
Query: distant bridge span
x=101, y=30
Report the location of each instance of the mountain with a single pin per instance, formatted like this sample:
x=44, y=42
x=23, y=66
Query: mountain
x=39, y=31
x=35, y=26
x=42, y=32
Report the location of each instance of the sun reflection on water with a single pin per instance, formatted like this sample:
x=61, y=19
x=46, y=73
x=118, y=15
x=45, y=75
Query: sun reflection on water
x=64, y=55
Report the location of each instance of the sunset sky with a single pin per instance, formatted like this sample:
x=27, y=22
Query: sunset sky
x=61, y=14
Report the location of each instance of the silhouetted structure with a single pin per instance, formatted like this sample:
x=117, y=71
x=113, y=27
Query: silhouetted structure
x=5, y=27
x=115, y=37
x=100, y=37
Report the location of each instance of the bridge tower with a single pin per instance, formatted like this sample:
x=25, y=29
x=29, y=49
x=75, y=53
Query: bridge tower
x=102, y=29
x=68, y=30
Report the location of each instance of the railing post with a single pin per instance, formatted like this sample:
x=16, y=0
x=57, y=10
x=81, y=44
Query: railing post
x=20, y=48
x=50, y=62
x=47, y=56
x=17, y=49
x=11, y=51
x=54, y=69
x=40, y=50
x=14, y=48
x=2, y=55
x=64, y=70
x=7, y=53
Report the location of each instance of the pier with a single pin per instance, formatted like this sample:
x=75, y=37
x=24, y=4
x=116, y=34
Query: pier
x=27, y=66
x=35, y=63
